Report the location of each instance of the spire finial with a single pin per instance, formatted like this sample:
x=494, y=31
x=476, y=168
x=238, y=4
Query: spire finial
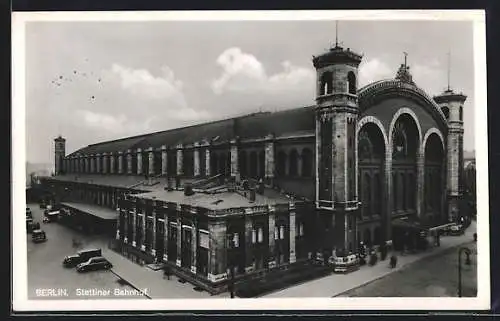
x=449, y=69
x=406, y=56
x=336, y=34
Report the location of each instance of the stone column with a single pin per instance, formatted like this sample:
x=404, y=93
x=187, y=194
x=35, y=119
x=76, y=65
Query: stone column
x=151, y=160
x=134, y=226
x=125, y=212
x=153, y=242
x=248, y=244
x=105, y=158
x=143, y=226
x=129, y=162
x=164, y=160
x=179, y=238
x=139, y=161
x=98, y=161
x=196, y=153
x=207, y=161
x=420, y=182
x=194, y=246
x=86, y=164
x=92, y=164
x=120, y=162
x=217, y=266
x=165, y=237
x=180, y=159
x=112, y=163
x=269, y=162
x=292, y=232
x=387, y=205
x=234, y=158
x=272, y=255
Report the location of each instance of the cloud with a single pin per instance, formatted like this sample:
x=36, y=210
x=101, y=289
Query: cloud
x=142, y=83
x=372, y=70
x=244, y=73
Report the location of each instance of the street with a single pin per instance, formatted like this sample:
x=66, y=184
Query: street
x=49, y=279
x=434, y=276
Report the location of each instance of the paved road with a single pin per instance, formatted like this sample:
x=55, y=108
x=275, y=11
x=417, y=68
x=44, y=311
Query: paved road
x=435, y=276
x=47, y=278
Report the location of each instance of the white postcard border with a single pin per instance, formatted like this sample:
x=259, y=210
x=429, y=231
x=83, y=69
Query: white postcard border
x=19, y=285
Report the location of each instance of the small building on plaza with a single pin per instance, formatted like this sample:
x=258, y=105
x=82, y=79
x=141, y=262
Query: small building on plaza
x=269, y=191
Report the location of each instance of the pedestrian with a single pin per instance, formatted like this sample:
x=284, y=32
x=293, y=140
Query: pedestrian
x=475, y=237
x=394, y=261
x=166, y=272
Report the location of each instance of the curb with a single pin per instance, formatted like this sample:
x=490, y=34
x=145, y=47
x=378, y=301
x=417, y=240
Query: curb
x=130, y=284
x=403, y=266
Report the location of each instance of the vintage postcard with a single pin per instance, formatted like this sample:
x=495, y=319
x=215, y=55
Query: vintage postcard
x=250, y=160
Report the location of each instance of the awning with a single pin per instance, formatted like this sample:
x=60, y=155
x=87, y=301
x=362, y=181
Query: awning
x=94, y=210
x=421, y=225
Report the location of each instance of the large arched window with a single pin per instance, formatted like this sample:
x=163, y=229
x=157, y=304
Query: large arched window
x=281, y=165
x=367, y=190
x=404, y=192
x=377, y=200
x=351, y=79
x=326, y=83
x=307, y=161
x=394, y=192
x=242, y=160
x=411, y=191
x=262, y=164
x=294, y=163
x=214, y=163
x=253, y=164
x=400, y=142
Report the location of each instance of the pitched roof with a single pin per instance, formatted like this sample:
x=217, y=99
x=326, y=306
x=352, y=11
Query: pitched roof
x=248, y=126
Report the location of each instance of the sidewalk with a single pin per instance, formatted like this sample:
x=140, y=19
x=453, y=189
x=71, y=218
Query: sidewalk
x=141, y=278
x=336, y=284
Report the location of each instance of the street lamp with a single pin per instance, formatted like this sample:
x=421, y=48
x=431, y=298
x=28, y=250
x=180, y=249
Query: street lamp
x=467, y=262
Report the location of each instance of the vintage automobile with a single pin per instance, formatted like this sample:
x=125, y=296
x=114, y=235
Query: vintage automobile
x=93, y=264
x=38, y=236
x=456, y=230
x=29, y=225
x=80, y=257
x=346, y=264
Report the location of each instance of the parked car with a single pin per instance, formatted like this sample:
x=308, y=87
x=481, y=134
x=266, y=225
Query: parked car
x=29, y=225
x=94, y=264
x=456, y=230
x=38, y=236
x=35, y=226
x=80, y=257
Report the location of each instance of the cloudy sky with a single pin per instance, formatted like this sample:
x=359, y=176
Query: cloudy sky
x=94, y=81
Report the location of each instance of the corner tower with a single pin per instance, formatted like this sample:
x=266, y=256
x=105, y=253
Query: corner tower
x=59, y=153
x=451, y=105
x=336, y=159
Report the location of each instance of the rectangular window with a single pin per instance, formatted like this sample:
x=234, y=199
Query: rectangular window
x=282, y=232
x=254, y=236
x=261, y=234
x=276, y=236
x=301, y=229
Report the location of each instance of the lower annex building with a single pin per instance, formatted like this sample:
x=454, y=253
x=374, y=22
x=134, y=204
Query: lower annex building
x=271, y=190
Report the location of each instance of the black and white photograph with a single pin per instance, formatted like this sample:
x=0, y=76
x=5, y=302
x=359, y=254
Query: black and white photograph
x=304, y=160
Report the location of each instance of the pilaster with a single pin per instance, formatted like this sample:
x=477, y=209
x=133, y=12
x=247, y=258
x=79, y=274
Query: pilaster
x=139, y=161
x=234, y=158
x=272, y=223
x=196, y=156
x=164, y=160
x=180, y=160
x=292, y=232
x=151, y=161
